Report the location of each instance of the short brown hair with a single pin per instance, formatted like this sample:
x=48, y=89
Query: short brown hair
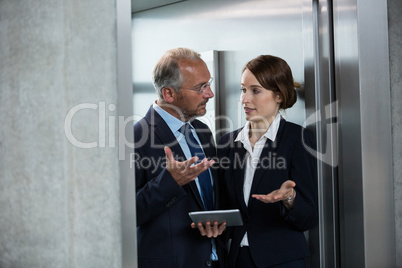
x=273, y=73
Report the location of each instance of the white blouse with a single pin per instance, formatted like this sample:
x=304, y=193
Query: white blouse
x=252, y=157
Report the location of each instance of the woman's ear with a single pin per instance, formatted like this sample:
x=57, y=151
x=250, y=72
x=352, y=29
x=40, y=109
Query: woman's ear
x=168, y=94
x=278, y=98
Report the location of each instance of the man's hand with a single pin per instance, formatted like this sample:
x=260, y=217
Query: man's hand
x=210, y=230
x=282, y=194
x=185, y=172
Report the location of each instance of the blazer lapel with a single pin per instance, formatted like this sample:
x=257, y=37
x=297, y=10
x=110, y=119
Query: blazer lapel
x=239, y=157
x=268, y=151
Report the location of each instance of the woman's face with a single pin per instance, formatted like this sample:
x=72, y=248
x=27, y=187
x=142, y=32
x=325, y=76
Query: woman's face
x=259, y=104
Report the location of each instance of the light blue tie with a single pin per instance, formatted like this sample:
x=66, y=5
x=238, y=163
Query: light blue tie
x=204, y=178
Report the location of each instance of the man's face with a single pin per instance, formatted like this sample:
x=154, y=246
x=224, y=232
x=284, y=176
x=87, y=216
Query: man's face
x=191, y=102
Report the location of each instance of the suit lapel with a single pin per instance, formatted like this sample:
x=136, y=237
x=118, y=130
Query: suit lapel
x=239, y=156
x=268, y=151
x=207, y=142
x=159, y=128
x=163, y=132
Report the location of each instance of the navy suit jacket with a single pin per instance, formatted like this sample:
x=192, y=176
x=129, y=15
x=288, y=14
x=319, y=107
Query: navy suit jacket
x=164, y=235
x=275, y=235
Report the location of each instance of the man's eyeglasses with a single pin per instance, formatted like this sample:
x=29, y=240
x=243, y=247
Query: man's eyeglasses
x=201, y=89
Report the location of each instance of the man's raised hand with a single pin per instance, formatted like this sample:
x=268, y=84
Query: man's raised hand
x=186, y=171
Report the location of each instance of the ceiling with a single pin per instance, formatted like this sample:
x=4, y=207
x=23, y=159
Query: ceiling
x=141, y=5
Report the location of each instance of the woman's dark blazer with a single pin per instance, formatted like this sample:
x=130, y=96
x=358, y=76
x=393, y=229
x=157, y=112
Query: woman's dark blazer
x=275, y=235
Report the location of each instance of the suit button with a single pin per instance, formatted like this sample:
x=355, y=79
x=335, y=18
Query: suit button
x=170, y=203
x=208, y=263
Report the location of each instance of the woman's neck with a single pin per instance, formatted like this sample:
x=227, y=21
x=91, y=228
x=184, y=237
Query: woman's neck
x=259, y=128
x=257, y=131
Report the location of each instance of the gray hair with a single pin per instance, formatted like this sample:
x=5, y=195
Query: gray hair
x=166, y=72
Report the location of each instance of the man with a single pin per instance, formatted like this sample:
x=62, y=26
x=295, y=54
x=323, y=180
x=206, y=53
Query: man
x=168, y=188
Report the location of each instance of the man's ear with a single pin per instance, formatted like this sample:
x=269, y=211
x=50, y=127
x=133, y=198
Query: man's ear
x=168, y=94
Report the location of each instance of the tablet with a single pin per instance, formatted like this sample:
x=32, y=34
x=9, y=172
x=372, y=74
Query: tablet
x=232, y=217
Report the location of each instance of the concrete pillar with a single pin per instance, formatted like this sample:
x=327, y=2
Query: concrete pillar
x=59, y=203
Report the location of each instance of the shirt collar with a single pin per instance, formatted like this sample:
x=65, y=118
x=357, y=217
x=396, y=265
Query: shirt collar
x=270, y=134
x=173, y=123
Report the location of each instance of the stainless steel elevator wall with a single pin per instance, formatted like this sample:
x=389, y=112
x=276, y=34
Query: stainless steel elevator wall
x=238, y=30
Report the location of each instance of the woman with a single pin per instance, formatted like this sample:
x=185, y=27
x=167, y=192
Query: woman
x=271, y=178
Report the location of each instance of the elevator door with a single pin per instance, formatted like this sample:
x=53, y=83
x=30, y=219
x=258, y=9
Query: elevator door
x=234, y=32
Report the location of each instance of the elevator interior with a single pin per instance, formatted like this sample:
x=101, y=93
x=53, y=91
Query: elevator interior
x=310, y=36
